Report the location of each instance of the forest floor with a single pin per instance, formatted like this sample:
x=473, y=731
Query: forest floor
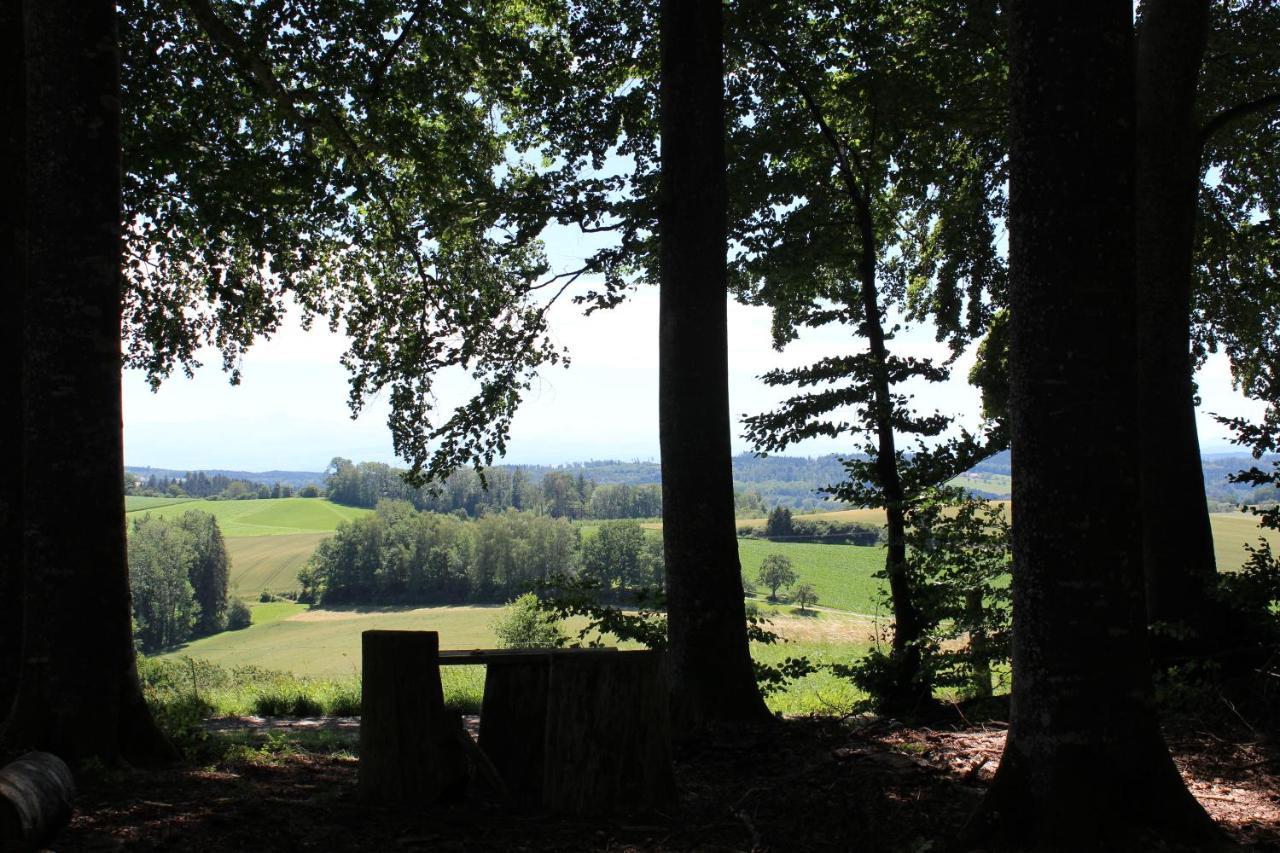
x=810, y=784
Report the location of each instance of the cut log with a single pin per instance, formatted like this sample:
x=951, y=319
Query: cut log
x=513, y=722
x=409, y=752
x=36, y=792
x=608, y=734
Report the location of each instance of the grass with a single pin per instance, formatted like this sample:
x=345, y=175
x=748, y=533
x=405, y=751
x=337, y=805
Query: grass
x=841, y=574
x=1231, y=531
x=268, y=517
x=326, y=643
x=134, y=503
x=269, y=562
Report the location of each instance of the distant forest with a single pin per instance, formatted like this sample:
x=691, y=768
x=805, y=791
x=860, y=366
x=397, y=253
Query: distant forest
x=578, y=490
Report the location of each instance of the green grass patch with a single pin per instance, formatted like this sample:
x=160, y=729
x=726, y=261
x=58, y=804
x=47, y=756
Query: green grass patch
x=841, y=574
x=326, y=643
x=269, y=517
x=819, y=693
x=135, y=503
x=270, y=562
x=266, y=612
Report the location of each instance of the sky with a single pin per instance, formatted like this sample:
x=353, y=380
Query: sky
x=290, y=411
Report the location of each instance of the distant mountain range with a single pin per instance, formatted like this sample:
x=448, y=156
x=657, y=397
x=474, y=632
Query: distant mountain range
x=789, y=480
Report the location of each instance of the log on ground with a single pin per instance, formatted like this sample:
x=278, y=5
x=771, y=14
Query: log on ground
x=36, y=792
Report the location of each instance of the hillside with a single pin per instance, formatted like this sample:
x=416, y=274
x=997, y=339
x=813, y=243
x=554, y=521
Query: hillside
x=265, y=517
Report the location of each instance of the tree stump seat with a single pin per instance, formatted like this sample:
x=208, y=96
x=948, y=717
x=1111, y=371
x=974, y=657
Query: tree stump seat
x=572, y=730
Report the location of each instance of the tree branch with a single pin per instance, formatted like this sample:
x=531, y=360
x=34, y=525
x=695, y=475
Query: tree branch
x=1231, y=115
x=325, y=119
x=848, y=171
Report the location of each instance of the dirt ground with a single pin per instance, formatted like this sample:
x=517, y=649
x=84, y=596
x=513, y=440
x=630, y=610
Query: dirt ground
x=800, y=785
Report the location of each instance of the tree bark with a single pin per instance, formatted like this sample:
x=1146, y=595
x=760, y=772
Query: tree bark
x=909, y=689
x=608, y=737
x=409, y=754
x=1085, y=766
x=78, y=692
x=711, y=672
x=13, y=98
x=1177, y=541
x=35, y=800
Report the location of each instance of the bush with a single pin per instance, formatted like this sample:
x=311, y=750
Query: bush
x=238, y=615
x=288, y=702
x=524, y=626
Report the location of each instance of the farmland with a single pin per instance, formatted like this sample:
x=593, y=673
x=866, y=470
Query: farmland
x=326, y=644
x=264, y=517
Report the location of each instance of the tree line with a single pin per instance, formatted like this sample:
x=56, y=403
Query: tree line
x=198, y=484
x=557, y=493
x=179, y=580
x=400, y=555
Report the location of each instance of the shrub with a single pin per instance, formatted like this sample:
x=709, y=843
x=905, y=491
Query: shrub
x=238, y=615
x=524, y=626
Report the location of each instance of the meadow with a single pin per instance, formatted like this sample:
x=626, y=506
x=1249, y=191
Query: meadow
x=292, y=650
x=316, y=653
x=263, y=517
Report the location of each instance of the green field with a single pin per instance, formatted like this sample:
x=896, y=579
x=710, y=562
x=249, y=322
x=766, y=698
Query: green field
x=291, y=638
x=841, y=574
x=133, y=503
x=268, y=517
x=269, y=562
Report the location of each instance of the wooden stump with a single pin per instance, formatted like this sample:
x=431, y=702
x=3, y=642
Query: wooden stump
x=608, y=734
x=35, y=801
x=513, y=722
x=409, y=750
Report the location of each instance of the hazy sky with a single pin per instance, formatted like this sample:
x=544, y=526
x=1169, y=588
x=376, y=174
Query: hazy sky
x=290, y=410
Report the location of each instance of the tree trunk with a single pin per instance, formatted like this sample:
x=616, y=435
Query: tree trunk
x=909, y=689
x=513, y=724
x=608, y=738
x=13, y=98
x=78, y=692
x=1177, y=541
x=1085, y=766
x=35, y=801
x=979, y=644
x=409, y=753
x=711, y=672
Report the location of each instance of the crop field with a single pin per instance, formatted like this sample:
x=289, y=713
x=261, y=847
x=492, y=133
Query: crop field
x=134, y=503
x=269, y=562
x=841, y=574
x=1231, y=532
x=268, y=517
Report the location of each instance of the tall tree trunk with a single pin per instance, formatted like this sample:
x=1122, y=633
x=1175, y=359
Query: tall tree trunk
x=78, y=693
x=909, y=689
x=711, y=672
x=1177, y=541
x=13, y=99
x=1085, y=766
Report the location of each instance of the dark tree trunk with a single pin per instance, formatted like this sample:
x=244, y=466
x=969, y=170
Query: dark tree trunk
x=1085, y=766
x=1177, y=541
x=13, y=99
x=908, y=689
x=410, y=754
x=711, y=671
x=78, y=692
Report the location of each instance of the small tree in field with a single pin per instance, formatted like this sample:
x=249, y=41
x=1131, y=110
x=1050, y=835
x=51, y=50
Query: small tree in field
x=775, y=572
x=805, y=595
x=524, y=626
